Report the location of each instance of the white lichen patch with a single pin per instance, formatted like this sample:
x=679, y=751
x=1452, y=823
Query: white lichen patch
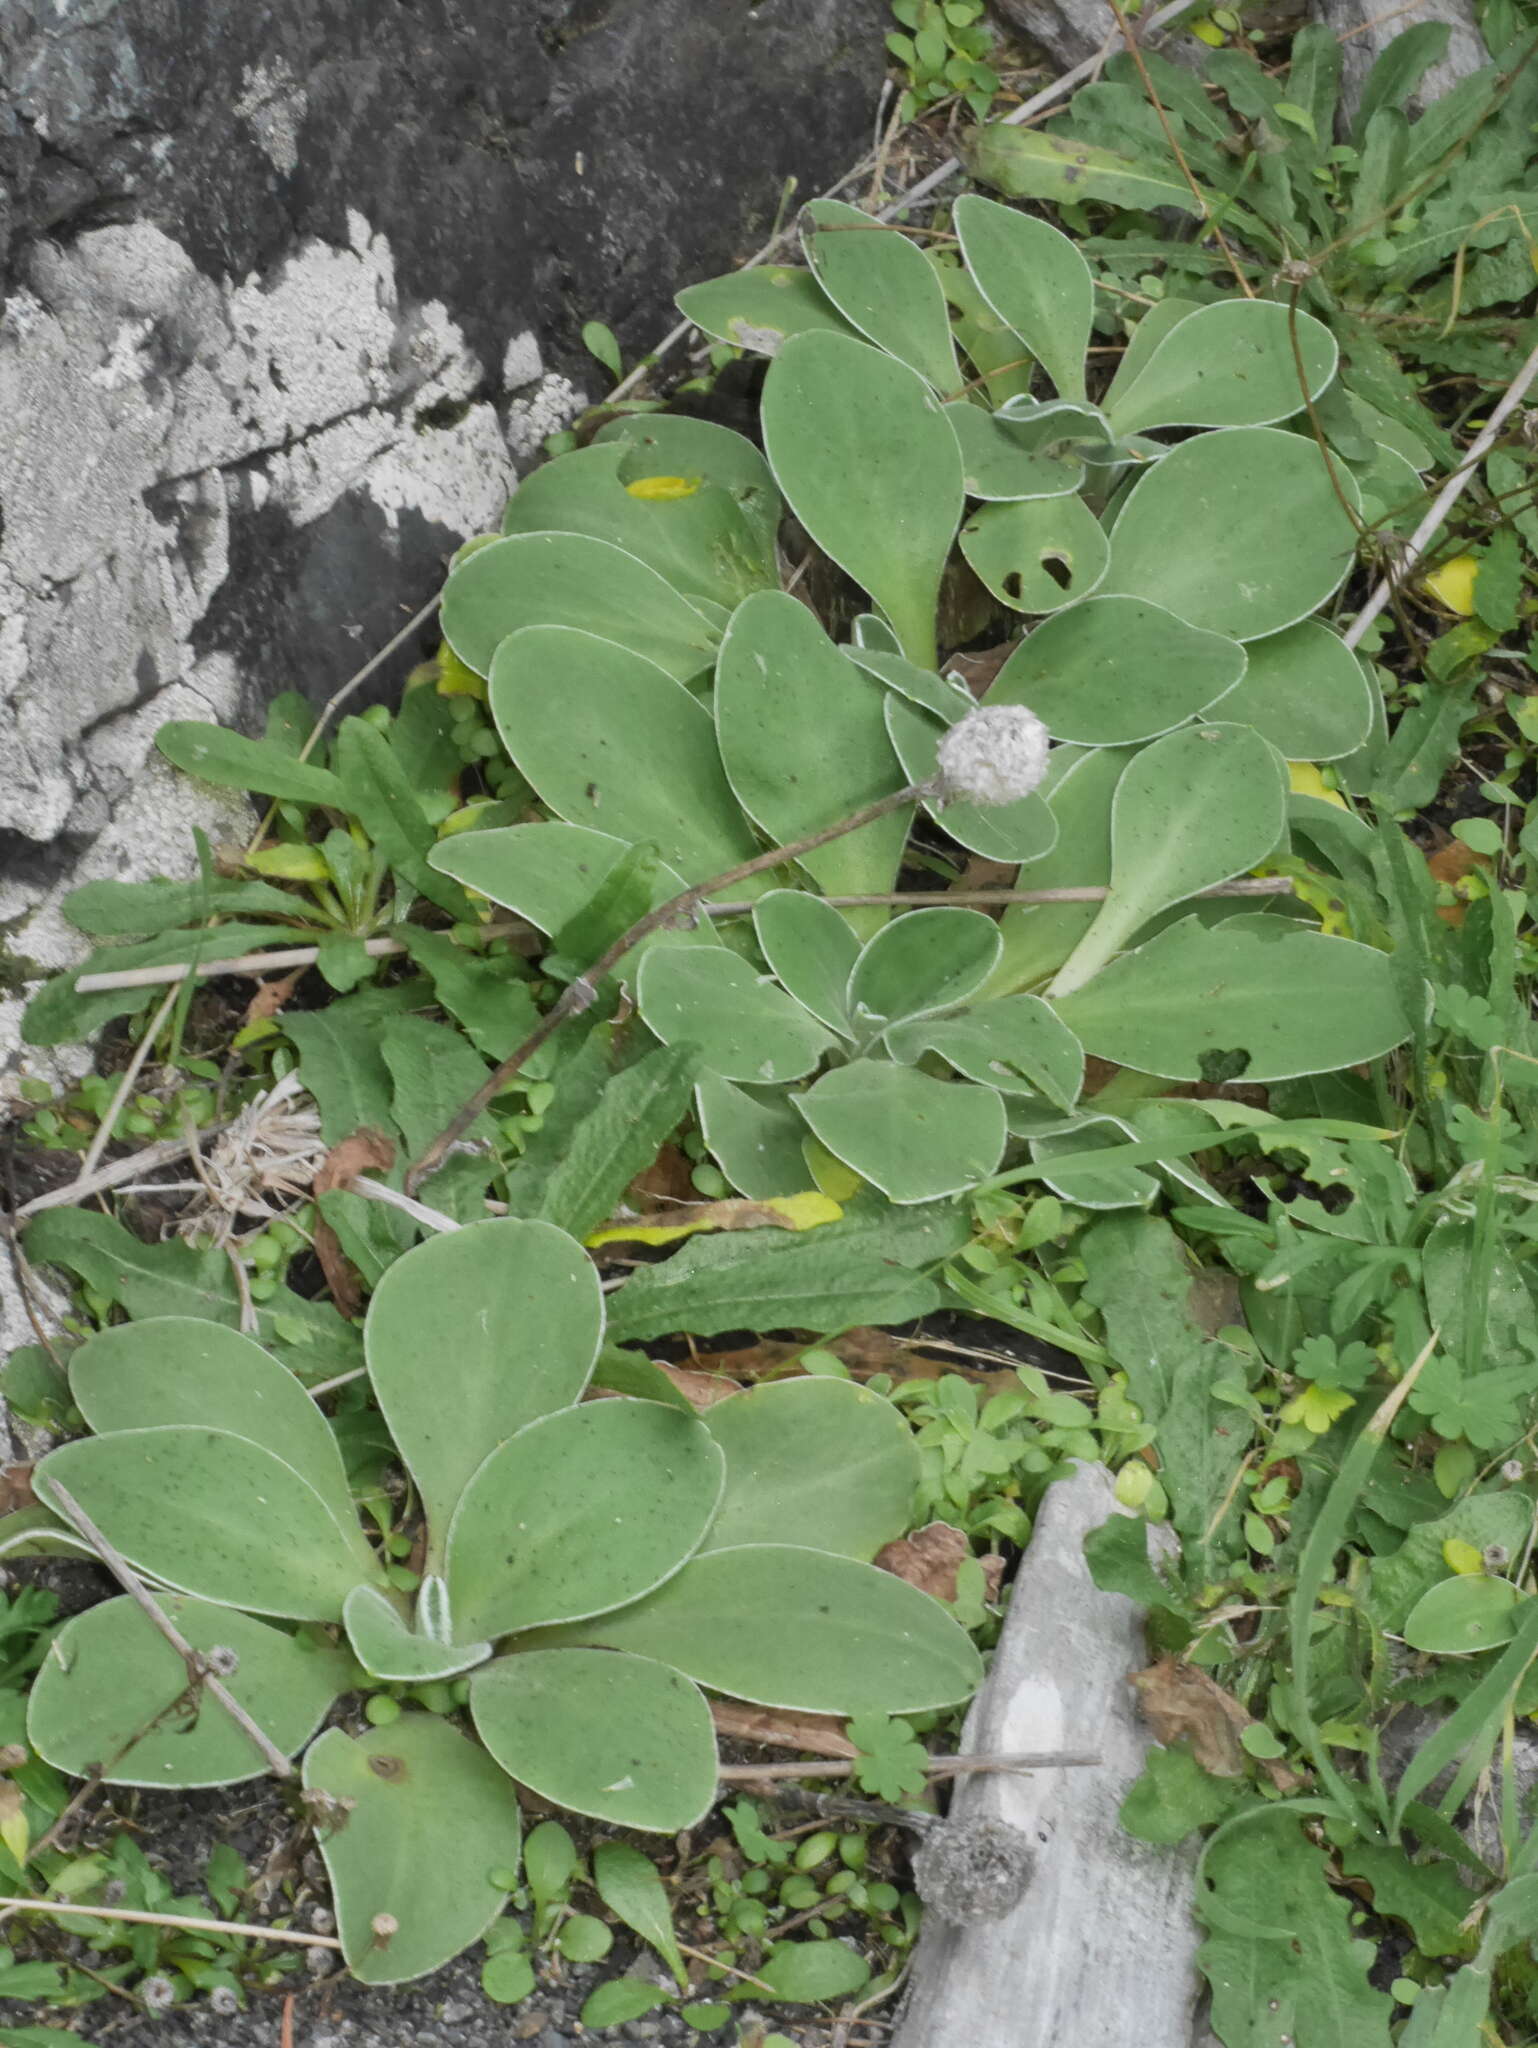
x=275, y=103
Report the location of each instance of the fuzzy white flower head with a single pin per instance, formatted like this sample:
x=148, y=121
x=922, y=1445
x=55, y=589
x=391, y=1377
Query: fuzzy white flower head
x=995, y=755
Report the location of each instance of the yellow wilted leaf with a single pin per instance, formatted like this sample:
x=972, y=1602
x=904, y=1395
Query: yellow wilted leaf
x=14, y=1832
x=456, y=678
x=1306, y=780
x=1462, y=1558
x=1453, y=584
x=660, y=489
x=291, y=863
x=783, y=1212
x=1317, y=1407
x=1209, y=33
x=834, y=1178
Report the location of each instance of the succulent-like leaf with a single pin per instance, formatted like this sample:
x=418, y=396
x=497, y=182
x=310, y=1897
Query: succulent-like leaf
x=745, y=1026
x=862, y=449
x=947, y=698
x=761, y=308
x=619, y=1737
x=790, y=1627
x=1021, y=831
x=811, y=949
x=578, y=1513
x=825, y=1458
x=1228, y=365
x=803, y=742
x=757, y=1140
x=923, y=961
x=917, y=1138
x=1035, y=280
x=1117, y=669
x=1038, y=937
x=671, y=444
x=1196, y=992
x=180, y=1369
x=211, y=1514
x=1304, y=691
x=884, y=285
x=1188, y=536
x=1017, y=1044
x=1192, y=810
x=695, y=535
x=1038, y=555
x=570, y=579
x=386, y=1645
x=430, y=1824
x=611, y=741
x=472, y=1336
x=1001, y=463
x=110, y=1673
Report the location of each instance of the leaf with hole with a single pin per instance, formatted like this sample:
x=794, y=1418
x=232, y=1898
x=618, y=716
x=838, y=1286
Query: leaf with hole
x=619, y=1737
x=1187, y=536
x=861, y=448
x=1117, y=669
x=745, y=1026
x=915, y=1137
x=1191, y=810
x=429, y=1825
x=882, y=284
x=1037, y=556
x=1035, y=280
x=99, y=1696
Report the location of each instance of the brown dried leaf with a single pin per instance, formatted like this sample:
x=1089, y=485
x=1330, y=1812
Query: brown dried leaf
x=699, y=1389
x=668, y=1179
x=272, y=995
x=364, y=1152
x=777, y=1728
x=929, y=1559
x=978, y=670
x=16, y=1489
x=1179, y=1702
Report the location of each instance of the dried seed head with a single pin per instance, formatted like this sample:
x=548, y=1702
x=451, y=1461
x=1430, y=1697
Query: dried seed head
x=158, y=1994
x=224, y=2001
x=995, y=755
x=384, y=1927
x=1513, y=1470
x=1496, y=1557
x=222, y=1661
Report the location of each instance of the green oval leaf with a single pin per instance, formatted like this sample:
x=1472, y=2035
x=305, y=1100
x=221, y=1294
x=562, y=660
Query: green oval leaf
x=861, y=448
x=823, y=1457
x=1037, y=556
x=1192, y=810
x=1305, y=692
x=211, y=1514
x=789, y=1627
x=110, y=1674
x=812, y=950
x=761, y=308
x=525, y=1546
x=745, y=1026
x=917, y=1138
x=1232, y=364
x=387, y=1647
x=518, y=1309
x=672, y=444
x=1239, y=531
x=882, y=284
x=1017, y=1044
x=1117, y=669
x=1463, y=1616
x=1000, y=462
x=430, y=1822
x=570, y=579
x=1035, y=280
x=923, y=961
x=619, y=1737
x=757, y=1140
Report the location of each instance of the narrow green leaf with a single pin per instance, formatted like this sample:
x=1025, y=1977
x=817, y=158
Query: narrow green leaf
x=629, y=1886
x=234, y=762
x=884, y=285
x=1031, y=275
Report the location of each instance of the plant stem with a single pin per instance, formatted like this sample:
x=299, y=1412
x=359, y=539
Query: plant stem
x=936, y=1766
x=197, y=1672
x=62, y=1910
x=681, y=909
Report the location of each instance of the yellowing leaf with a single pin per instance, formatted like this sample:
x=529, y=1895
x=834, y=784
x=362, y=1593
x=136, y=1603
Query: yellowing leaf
x=1317, y=1408
x=839, y=1182
x=14, y=1832
x=1306, y=780
x=456, y=678
x=784, y=1212
x=1462, y=1558
x=662, y=489
x=291, y=863
x=1209, y=33
x=1453, y=583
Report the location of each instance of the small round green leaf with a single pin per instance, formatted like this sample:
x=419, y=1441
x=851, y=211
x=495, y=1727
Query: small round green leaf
x=1039, y=555
x=789, y=1627
x=823, y=1457
x=1304, y=691
x=430, y=1822
x=746, y=1027
x=1233, y=364
x=507, y=1977
x=1464, y=1615
x=1240, y=531
x=916, y=1138
x=619, y=1737
x=527, y=1546
x=110, y=1673
x=1117, y=669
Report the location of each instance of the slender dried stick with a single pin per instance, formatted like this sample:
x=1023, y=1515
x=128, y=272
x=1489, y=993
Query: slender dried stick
x=243, y=963
x=57, y=1909
x=161, y=1153
x=131, y=1072
x=935, y=1766
x=1251, y=885
x=1415, y=547
x=140, y=1594
x=580, y=994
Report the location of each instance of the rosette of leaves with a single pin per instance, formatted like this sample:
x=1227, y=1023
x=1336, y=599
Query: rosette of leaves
x=673, y=729
x=588, y=1567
